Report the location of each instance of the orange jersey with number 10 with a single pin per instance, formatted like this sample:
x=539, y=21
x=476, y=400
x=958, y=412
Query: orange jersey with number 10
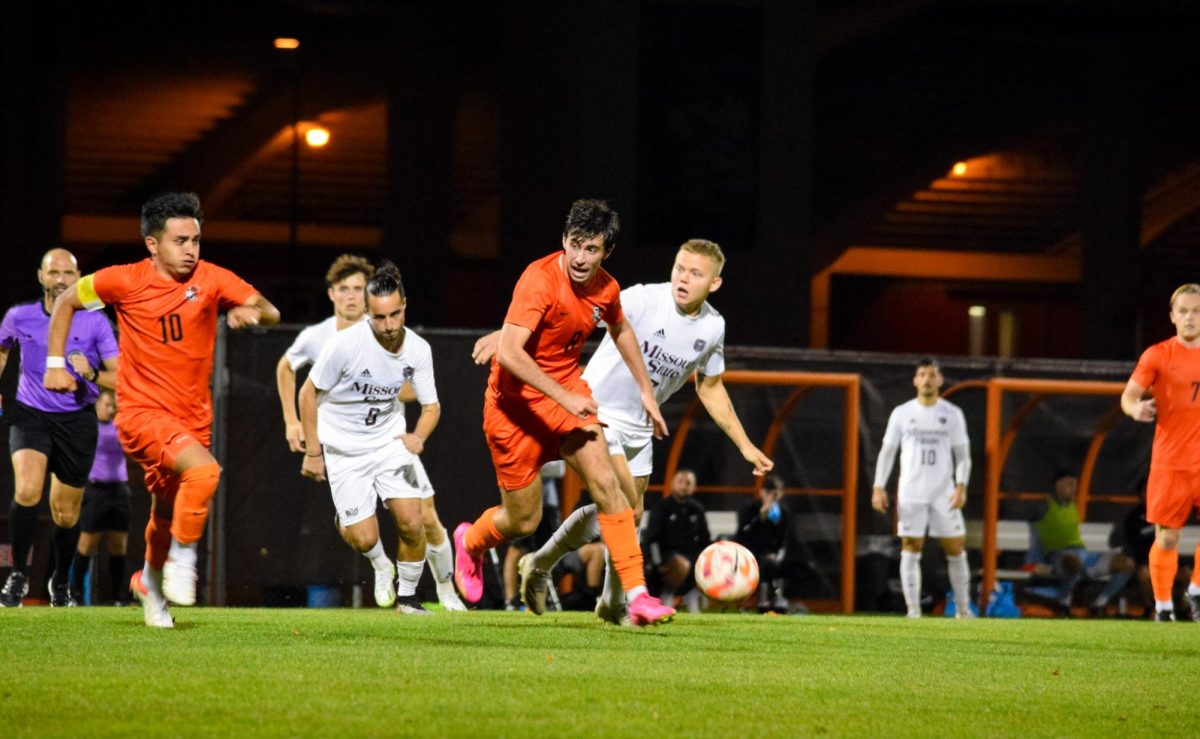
x=561, y=316
x=167, y=330
x=1172, y=371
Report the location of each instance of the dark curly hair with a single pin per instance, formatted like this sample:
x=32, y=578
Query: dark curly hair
x=160, y=208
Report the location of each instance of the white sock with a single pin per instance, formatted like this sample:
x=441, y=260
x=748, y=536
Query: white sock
x=581, y=527
x=152, y=579
x=960, y=581
x=379, y=559
x=441, y=560
x=631, y=594
x=1193, y=589
x=410, y=574
x=612, y=595
x=910, y=580
x=182, y=554
x=1164, y=605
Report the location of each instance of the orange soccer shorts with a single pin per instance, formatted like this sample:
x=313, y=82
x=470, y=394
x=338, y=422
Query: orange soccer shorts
x=524, y=434
x=154, y=440
x=1171, y=495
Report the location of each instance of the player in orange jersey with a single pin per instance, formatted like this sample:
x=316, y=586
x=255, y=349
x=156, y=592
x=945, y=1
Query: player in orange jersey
x=1171, y=369
x=538, y=408
x=167, y=316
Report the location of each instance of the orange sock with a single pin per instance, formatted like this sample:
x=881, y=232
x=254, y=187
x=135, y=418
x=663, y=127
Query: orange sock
x=1196, y=567
x=1163, y=566
x=483, y=534
x=196, y=488
x=620, y=537
x=158, y=541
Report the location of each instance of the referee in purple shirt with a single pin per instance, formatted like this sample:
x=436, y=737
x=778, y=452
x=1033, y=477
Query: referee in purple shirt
x=48, y=431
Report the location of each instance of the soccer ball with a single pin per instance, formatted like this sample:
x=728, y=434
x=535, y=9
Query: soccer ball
x=726, y=571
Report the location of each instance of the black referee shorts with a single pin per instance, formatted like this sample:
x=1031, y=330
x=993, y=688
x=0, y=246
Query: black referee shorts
x=105, y=507
x=67, y=439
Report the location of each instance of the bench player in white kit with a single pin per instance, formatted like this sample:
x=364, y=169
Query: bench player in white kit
x=935, y=466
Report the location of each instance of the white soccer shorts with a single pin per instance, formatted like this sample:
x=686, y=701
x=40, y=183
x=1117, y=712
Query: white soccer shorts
x=942, y=521
x=357, y=481
x=634, y=444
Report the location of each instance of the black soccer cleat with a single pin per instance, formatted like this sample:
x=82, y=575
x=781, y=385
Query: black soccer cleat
x=14, y=590
x=1164, y=616
x=408, y=605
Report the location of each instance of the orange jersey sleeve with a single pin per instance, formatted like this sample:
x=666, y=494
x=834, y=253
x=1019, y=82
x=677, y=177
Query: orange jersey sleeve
x=1172, y=373
x=167, y=330
x=561, y=316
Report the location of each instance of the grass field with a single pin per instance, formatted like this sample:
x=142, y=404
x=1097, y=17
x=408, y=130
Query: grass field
x=244, y=672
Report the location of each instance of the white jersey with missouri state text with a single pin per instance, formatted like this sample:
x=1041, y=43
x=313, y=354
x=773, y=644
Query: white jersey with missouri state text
x=357, y=410
x=673, y=346
x=926, y=436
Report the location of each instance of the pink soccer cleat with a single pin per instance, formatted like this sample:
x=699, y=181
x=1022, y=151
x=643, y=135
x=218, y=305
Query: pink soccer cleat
x=468, y=570
x=646, y=610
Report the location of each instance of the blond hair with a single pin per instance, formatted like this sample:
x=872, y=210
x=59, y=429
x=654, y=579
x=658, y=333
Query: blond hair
x=1190, y=288
x=347, y=265
x=705, y=248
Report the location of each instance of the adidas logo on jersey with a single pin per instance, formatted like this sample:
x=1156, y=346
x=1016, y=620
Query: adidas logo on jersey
x=365, y=373
x=661, y=334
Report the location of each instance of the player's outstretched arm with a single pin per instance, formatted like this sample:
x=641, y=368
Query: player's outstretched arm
x=627, y=346
x=512, y=356
x=57, y=378
x=1135, y=406
x=285, y=383
x=257, y=311
x=314, y=459
x=715, y=397
x=485, y=348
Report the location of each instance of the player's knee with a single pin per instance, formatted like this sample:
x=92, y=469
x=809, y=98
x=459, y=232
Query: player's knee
x=411, y=528
x=64, y=516
x=1167, y=539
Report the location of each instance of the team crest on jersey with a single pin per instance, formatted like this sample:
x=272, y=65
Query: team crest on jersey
x=190, y=293
x=408, y=373
x=942, y=420
x=699, y=345
x=596, y=314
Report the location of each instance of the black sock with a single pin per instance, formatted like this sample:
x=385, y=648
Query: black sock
x=79, y=570
x=116, y=573
x=65, y=541
x=22, y=525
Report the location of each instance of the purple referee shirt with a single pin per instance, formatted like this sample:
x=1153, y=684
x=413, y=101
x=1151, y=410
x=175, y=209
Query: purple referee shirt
x=109, y=465
x=27, y=324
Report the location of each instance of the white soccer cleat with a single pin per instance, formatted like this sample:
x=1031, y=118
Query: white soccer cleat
x=154, y=608
x=448, y=597
x=385, y=586
x=179, y=583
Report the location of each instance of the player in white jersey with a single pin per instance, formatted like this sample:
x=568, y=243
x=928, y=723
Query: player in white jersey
x=680, y=334
x=935, y=466
x=346, y=281
x=356, y=434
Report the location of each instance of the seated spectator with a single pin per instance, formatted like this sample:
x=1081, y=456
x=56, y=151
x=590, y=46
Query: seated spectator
x=1058, y=549
x=763, y=528
x=675, y=535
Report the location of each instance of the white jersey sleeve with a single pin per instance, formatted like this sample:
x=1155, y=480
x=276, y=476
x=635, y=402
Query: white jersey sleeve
x=309, y=342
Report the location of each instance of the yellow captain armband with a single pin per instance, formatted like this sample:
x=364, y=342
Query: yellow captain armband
x=87, y=293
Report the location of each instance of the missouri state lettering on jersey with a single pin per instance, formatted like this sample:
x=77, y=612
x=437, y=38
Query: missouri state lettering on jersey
x=377, y=393
x=662, y=364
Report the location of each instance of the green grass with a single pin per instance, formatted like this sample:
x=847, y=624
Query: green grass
x=241, y=672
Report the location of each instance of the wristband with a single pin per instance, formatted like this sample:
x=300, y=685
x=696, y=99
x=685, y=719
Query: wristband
x=56, y=362
x=318, y=454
